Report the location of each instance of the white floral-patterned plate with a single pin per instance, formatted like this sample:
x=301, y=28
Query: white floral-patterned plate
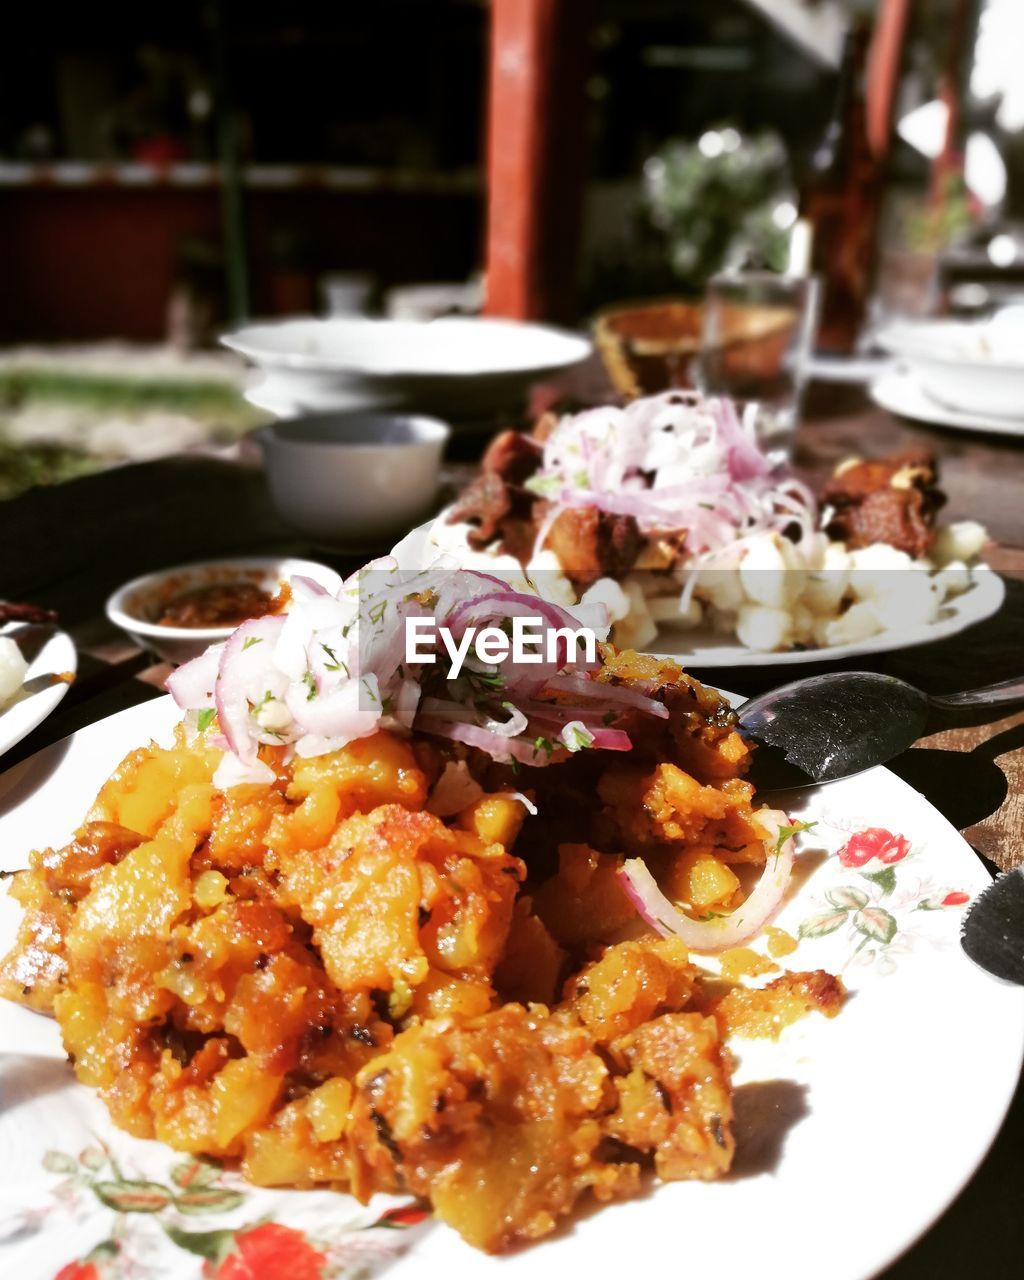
x=702, y=648
x=846, y=1149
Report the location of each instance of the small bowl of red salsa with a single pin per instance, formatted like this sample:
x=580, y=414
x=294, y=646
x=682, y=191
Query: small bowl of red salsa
x=179, y=612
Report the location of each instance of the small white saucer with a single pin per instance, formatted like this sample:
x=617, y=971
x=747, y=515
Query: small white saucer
x=271, y=398
x=900, y=392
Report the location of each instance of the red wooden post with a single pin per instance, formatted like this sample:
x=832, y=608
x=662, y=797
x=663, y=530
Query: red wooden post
x=950, y=160
x=536, y=160
x=884, y=64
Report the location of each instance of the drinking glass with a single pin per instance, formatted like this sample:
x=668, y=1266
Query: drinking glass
x=758, y=333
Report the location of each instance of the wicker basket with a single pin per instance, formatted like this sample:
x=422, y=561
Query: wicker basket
x=650, y=346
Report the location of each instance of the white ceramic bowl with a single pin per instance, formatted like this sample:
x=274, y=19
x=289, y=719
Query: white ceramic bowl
x=973, y=367
x=348, y=479
x=133, y=607
x=456, y=367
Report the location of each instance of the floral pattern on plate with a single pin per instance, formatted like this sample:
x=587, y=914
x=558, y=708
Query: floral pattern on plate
x=146, y=1222
x=874, y=902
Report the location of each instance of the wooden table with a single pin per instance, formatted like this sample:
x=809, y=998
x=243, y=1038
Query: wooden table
x=70, y=547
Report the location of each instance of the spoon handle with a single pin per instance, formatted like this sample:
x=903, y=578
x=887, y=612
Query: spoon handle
x=987, y=696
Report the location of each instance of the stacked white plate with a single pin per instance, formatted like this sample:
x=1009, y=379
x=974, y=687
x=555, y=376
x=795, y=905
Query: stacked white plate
x=968, y=375
x=458, y=368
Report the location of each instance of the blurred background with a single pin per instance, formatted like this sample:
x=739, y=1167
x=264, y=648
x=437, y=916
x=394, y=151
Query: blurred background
x=169, y=171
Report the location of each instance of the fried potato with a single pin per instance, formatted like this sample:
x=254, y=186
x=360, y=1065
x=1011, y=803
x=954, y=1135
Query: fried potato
x=325, y=983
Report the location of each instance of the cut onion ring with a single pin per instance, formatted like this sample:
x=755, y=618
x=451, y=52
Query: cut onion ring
x=725, y=931
x=608, y=693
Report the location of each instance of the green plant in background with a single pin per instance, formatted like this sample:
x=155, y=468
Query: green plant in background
x=932, y=228
x=55, y=423
x=719, y=202
x=105, y=393
x=25, y=466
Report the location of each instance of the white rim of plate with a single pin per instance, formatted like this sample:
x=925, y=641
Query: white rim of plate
x=899, y=391
x=569, y=348
x=57, y=656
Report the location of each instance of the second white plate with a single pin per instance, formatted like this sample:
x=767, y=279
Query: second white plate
x=901, y=393
x=702, y=648
x=56, y=657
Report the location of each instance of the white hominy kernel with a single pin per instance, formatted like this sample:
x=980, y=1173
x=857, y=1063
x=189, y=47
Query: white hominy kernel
x=762, y=628
x=857, y=623
x=961, y=540
x=12, y=669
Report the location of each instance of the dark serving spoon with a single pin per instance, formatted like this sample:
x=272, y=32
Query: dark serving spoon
x=992, y=931
x=834, y=725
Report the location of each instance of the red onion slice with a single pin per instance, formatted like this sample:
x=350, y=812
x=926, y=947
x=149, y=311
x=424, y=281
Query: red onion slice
x=726, y=931
x=499, y=748
x=192, y=684
x=454, y=790
x=608, y=694
x=246, y=673
x=673, y=463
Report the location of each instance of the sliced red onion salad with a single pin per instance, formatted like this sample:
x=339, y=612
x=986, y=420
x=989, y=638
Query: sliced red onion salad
x=722, y=931
x=333, y=669
x=673, y=461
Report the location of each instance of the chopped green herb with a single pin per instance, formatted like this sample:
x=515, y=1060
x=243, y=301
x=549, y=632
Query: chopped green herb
x=205, y=718
x=336, y=663
x=250, y=641
x=310, y=684
x=786, y=832
x=545, y=486
x=576, y=737
x=491, y=679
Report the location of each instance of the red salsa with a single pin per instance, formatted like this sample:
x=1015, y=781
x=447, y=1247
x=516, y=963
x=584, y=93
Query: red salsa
x=220, y=604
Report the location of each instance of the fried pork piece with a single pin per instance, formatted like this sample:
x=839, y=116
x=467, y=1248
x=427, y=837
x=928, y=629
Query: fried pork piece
x=496, y=498
x=592, y=544
x=589, y=543
x=504, y=1120
x=891, y=500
